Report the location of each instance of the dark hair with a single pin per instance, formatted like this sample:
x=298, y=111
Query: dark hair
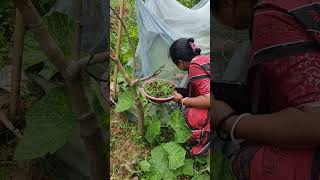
x=181, y=50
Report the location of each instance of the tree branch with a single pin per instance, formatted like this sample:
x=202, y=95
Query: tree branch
x=136, y=96
x=19, y=32
x=89, y=129
x=154, y=74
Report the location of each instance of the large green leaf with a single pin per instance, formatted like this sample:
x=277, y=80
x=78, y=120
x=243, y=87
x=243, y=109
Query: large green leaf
x=159, y=160
x=153, y=130
x=176, y=155
x=187, y=168
x=50, y=123
x=177, y=123
x=125, y=101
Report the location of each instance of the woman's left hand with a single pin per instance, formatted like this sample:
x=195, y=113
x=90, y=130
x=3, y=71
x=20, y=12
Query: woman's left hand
x=177, y=97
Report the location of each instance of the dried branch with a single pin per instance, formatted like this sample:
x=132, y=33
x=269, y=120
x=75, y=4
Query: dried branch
x=154, y=74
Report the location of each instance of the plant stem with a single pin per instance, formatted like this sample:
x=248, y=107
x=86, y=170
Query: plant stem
x=89, y=129
x=18, y=42
x=116, y=68
x=77, y=32
x=136, y=96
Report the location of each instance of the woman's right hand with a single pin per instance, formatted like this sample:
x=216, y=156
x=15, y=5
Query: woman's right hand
x=177, y=97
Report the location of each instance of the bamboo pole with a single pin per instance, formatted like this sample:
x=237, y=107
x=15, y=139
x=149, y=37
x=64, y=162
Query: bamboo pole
x=18, y=42
x=119, y=34
x=89, y=129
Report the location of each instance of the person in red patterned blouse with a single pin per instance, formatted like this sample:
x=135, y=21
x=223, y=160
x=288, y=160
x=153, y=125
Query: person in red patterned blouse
x=186, y=55
x=282, y=134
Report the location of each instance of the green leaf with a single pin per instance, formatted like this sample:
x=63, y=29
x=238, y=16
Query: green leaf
x=187, y=168
x=48, y=70
x=202, y=177
x=177, y=123
x=125, y=101
x=176, y=155
x=170, y=175
x=144, y=165
x=50, y=123
x=100, y=104
x=32, y=54
x=202, y=159
x=153, y=130
x=159, y=160
x=222, y=168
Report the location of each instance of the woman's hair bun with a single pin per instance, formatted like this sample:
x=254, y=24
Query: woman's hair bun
x=190, y=40
x=198, y=51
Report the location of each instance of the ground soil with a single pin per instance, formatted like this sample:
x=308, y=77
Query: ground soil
x=125, y=150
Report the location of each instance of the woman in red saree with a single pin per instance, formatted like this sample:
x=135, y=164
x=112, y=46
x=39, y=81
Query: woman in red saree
x=285, y=71
x=186, y=55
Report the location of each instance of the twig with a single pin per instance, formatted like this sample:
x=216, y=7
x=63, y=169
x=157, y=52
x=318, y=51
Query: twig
x=156, y=73
x=9, y=125
x=114, y=93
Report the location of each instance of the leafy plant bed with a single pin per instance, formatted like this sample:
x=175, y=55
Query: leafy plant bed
x=158, y=90
x=169, y=157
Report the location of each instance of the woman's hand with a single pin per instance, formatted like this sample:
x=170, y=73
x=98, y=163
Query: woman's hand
x=177, y=97
x=220, y=110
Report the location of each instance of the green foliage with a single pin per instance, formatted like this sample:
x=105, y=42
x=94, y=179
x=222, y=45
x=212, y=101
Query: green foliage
x=221, y=166
x=189, y=3
x=153, y=130
x=131, y=25
x=177, y=123
x=50, y=123
x=168, y=159
x=176, y=155
x=125, y=101
x=159, y=89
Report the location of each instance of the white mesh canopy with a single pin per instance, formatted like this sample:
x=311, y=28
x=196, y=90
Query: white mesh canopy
x=160, y=22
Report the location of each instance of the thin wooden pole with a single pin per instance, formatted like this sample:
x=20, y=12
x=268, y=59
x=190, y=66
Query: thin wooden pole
x=18, y=42
x=119, y=34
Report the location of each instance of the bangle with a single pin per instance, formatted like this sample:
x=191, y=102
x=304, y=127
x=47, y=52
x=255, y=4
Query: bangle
x=183, y=101
x=236, y=122
x=179, y=101
x=220, y=124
